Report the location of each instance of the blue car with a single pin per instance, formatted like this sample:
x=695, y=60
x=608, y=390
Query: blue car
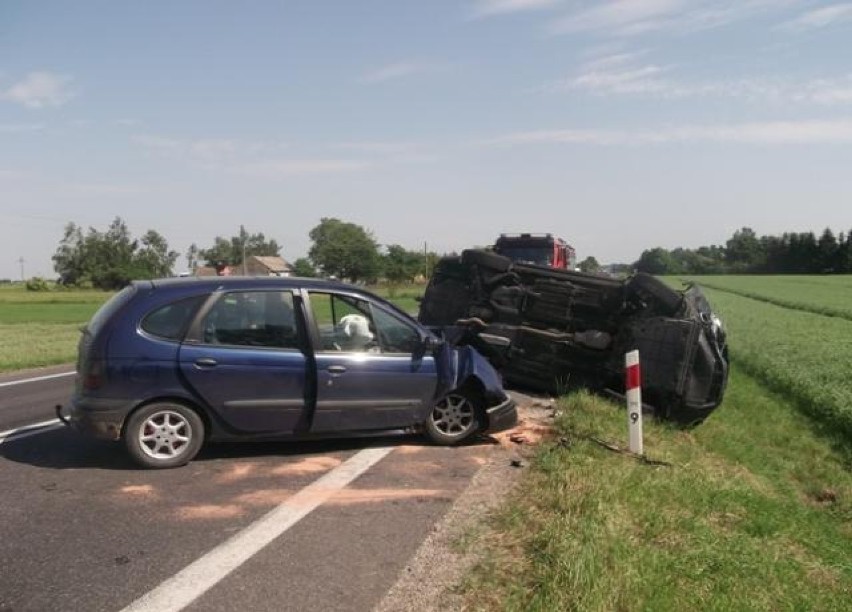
x=167, y=364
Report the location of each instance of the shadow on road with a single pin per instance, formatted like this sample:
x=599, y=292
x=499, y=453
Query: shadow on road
x=63, y=449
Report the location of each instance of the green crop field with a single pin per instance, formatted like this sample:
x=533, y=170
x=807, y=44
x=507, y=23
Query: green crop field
x=753, y=510
x=828, y=295
x=792, y=349
x=41, y=328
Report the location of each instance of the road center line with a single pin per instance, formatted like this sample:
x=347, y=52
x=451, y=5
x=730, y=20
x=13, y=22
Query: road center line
x=199, y=576
x=29, y=430
x=36, y=379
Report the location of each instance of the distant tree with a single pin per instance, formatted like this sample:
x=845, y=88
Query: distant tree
x=304, y=268
x=344, y=250
x=111, y=259
x=657, y=261
x=69, y=258
x=230, y=250
x=827, y=246
x=589, y=265
x=155, y=258
x=401, y=265
x=744, y=251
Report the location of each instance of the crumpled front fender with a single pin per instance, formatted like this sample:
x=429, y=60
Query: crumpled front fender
x=460, y=364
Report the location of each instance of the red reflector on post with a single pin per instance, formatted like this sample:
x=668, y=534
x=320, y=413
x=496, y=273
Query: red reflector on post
x=633, y=377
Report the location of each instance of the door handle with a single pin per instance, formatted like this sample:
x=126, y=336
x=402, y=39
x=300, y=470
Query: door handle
x=336, y=369
x=205, y=362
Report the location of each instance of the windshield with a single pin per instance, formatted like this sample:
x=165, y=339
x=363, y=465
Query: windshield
x=541, y=256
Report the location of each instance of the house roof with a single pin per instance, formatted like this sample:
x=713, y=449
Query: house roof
x=272, y=263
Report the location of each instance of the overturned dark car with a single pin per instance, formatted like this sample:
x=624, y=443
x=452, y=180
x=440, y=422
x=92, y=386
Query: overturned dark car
x=551, y=330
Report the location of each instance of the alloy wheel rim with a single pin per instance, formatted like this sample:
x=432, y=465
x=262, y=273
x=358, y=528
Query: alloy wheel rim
x=453, y=415
x=166, y=434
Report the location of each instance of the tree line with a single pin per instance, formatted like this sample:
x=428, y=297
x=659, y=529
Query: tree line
x=110, y=259
x=747, y=253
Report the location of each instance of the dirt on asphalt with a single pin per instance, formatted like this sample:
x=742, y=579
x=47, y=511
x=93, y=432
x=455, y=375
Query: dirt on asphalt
x=429, y=581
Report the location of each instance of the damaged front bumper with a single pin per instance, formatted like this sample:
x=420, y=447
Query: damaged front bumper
x=501, y=417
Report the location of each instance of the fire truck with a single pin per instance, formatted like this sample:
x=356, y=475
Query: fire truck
x=537, y=249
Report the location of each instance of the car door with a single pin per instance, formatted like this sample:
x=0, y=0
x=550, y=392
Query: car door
x=371, y=370
x=244, y=358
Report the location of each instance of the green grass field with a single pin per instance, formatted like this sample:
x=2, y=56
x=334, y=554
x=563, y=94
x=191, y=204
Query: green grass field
x=828, y=295
x=755, y=511
x=42, y=328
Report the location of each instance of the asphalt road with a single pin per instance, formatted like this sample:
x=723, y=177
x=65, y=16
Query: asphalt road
x=82, y=529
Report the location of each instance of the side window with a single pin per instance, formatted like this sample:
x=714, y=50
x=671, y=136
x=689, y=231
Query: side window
x=170, y=321
x=253, y=318
x=343, y=323
x=395, y=336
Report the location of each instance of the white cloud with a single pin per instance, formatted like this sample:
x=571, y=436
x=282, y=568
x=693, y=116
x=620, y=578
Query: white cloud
x=634, y=17
x=40, y=90
x=158, y=143
x=285, y=168
x=756, y=133
x=257, y=159
x=101, y=189
x=396, y=70
x=490, y=8
x=620, y=74
x=13, y=175
x=821, y=17
x=15, y=128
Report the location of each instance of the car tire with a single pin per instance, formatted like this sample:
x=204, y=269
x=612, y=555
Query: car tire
x=668, y=299
x=487, y=260
x=455, y=417
x=164, y=435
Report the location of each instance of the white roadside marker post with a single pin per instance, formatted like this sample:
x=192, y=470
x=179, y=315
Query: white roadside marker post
x=633, y=393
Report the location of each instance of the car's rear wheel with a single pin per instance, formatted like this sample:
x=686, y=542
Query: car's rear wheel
x=164, y=435
x=454, y=418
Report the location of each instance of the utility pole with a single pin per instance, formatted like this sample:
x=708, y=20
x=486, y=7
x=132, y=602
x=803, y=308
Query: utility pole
x=244, y=236
x=21, y=261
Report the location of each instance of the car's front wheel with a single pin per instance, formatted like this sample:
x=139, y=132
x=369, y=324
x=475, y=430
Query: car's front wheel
x=454, y=418
x=164, y=435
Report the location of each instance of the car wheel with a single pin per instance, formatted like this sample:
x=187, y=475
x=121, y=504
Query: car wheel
x=486, y=259
x=164, y=435
x=454, y=418
x=668, y=299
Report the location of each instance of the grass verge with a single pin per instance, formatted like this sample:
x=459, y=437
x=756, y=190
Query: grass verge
x=753, y=514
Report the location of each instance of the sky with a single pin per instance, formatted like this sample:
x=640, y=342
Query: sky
x=619, y=125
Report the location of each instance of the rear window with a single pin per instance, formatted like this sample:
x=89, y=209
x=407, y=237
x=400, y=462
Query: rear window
x=113, y=305
x=170, y=321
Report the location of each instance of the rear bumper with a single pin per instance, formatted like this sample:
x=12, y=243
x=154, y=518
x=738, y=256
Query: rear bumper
x=502, y=416
x=97, y=417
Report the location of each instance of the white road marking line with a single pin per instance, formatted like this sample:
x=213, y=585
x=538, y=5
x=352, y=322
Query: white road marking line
x=29, y=430
x=199, y=576
x=36, y=379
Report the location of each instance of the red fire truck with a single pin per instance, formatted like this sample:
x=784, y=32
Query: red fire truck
x=538, y=249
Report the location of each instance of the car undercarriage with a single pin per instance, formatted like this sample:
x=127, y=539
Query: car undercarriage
x=553, y=330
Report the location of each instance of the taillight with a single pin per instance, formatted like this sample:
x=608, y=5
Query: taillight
x=93, y=376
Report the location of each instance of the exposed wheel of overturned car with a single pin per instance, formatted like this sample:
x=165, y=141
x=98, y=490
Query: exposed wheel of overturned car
x=164, y=435
x=455, y=418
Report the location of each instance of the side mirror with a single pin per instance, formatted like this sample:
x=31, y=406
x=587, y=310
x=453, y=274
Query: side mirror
x=432, y=342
